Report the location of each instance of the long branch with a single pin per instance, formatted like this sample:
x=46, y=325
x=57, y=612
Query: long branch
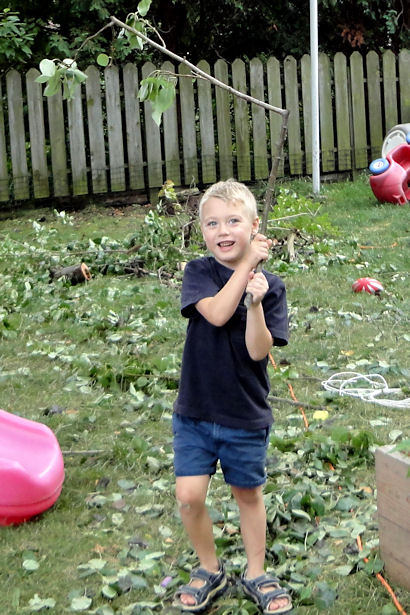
x=270, y=189
x=197, y=71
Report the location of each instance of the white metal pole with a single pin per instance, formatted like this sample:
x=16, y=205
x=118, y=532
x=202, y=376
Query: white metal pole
x=314, y=69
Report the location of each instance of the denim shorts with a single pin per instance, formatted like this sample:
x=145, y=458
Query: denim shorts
x=198, y=445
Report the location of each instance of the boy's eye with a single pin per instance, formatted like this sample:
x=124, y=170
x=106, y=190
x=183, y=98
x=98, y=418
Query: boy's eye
x=211, y=223
x=234, y=220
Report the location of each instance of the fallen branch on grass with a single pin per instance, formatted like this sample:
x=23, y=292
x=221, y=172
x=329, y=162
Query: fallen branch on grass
x=85, y=453
x=76, y=274
x=283, y=400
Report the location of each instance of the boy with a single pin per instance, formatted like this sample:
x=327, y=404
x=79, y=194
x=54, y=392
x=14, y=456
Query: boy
x=221, y=412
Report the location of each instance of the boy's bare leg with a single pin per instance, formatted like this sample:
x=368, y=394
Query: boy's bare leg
x=191, y=494
x=253, y=529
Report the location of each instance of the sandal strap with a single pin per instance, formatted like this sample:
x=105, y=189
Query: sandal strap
x=265, y=580
x=188, y=589
x=273, y=595
x=212, y=582
x=253, y=588
x=204, y=575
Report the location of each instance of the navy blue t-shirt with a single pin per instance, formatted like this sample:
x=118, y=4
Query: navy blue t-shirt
x=219, y=380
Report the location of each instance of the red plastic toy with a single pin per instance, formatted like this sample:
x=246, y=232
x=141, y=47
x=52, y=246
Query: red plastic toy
x=390, y=181
x=367, y=285
x=31, y=468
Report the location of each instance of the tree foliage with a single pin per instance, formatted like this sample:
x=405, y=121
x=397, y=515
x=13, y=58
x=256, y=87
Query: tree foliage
x=207, y=29
x=16, y=38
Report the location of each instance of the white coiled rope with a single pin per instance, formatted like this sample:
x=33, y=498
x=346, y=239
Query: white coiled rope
x=365, y=387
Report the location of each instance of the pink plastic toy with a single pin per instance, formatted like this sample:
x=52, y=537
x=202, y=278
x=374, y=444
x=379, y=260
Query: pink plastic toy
x=391, y=175
x=31, y=468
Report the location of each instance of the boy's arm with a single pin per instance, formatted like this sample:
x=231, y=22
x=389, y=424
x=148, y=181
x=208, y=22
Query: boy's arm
x=220, y=308
x=258, y=338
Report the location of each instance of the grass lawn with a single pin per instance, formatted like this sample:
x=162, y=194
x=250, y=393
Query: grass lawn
x=99, y=363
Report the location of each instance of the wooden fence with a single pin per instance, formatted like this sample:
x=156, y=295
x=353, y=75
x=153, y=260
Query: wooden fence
x=104, y=140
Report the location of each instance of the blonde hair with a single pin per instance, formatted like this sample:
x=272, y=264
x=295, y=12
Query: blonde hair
x=234, y=192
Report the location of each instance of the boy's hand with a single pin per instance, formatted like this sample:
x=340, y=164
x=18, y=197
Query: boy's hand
x=259, y=249
x=258, y=287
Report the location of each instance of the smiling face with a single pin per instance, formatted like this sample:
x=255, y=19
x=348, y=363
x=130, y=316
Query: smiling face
x=227, y=228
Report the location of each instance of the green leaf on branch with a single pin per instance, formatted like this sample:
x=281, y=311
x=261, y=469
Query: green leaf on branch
x=47, y=68
x=58, y=73
x=103, y=59
x=53, y=85
x=160, y=92
x=143, y=7
x=134, y=41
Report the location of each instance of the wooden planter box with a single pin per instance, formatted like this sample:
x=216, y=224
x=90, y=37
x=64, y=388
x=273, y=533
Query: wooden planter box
x=393, y=508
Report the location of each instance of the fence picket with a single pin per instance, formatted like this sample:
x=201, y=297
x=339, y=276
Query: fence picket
x=358, y=110
x=306, y=74
x=77, y=143
x=17, y=136
x=58, y=144
x=35, y=109
x=260, y=152
x=96, y=130
x=187, y=106
x=152, y=139
x=114, y=129
x=292, y=103
x=327, y=140
x=375, y=104
x=275, y=99
x=133, y=127
x=342, y=106
x=206, y=127
x=390, y=89
x=223, y=122
x=241, y=114
x=4, y=176
x=171, y=137
x=404, y=76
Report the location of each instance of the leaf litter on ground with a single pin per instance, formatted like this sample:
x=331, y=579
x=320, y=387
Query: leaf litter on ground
x=117, y=393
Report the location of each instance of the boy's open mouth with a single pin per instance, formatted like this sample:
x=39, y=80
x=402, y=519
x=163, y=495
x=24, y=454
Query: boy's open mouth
x=225, y=244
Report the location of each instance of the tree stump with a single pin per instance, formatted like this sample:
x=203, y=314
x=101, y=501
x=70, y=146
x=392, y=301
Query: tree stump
x=76, y=274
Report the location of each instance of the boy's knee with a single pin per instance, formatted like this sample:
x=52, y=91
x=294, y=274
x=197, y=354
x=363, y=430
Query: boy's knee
x=246, y=496
x=188, y=500
x=183, y=506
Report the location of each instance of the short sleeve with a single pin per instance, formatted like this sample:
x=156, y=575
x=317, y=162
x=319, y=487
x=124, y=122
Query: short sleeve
x=276, y=310
x=197, y=284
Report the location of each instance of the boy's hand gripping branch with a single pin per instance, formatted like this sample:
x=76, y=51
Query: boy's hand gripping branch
x=263, y=257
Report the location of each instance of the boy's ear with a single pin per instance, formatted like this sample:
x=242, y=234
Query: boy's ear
x=255, y=226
